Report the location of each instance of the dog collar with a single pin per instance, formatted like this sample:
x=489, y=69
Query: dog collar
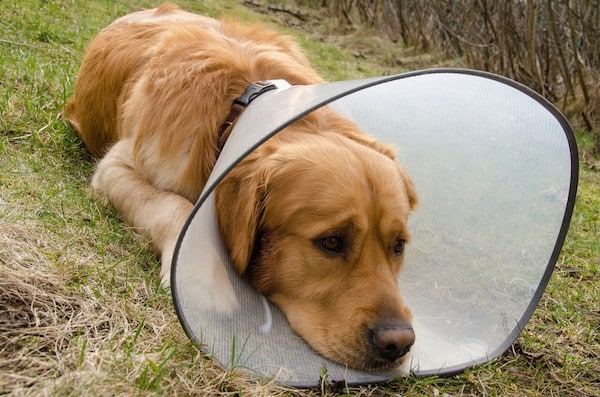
x=253, y=91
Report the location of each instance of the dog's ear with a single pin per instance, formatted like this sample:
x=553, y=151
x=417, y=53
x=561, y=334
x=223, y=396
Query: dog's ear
x=411, y=191
x=239, y=200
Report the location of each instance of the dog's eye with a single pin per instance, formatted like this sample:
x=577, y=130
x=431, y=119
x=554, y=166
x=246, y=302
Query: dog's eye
x=332, y=244
x=399, y=247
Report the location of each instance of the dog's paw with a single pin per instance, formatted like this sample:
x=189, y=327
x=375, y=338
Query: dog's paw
x=165, y=266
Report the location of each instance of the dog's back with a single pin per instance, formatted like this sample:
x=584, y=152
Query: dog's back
x=117, y=61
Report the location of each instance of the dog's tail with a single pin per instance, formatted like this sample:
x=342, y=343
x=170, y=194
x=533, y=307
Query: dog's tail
x=91, y=133
x=71, y=116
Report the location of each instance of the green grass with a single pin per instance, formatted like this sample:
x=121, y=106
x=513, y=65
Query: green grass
x=81, y=310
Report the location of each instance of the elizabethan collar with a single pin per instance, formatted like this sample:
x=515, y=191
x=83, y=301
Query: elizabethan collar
x=496, y=168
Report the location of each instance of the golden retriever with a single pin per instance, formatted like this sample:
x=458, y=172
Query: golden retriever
x=315, y=218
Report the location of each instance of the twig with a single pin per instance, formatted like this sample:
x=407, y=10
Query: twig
x=18, y=44
x=576, y=59
x=561, y=56
x=275, y=8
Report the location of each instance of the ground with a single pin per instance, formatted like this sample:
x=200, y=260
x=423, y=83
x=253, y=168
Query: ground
x=81, y=308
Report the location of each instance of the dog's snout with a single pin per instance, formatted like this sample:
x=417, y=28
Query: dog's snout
x=392, y=341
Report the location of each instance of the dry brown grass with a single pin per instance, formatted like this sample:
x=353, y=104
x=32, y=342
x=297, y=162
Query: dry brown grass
x=61, y=337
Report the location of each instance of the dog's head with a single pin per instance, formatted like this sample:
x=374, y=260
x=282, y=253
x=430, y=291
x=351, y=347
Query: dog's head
x=318, y=223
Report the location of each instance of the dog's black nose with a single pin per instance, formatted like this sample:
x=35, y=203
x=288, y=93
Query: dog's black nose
x=392, y=341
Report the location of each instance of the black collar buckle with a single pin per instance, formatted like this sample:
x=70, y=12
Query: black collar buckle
x=253, y=91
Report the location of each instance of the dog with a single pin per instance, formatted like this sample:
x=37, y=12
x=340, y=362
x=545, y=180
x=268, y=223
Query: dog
x=315, y=218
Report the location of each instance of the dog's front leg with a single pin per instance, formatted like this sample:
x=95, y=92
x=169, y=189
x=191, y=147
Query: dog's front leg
x=156, y=213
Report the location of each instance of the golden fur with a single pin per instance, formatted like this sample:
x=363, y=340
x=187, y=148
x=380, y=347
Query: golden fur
x=316, y=217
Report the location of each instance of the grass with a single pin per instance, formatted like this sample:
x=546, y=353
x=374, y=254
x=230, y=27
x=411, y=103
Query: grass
x=81, y=309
